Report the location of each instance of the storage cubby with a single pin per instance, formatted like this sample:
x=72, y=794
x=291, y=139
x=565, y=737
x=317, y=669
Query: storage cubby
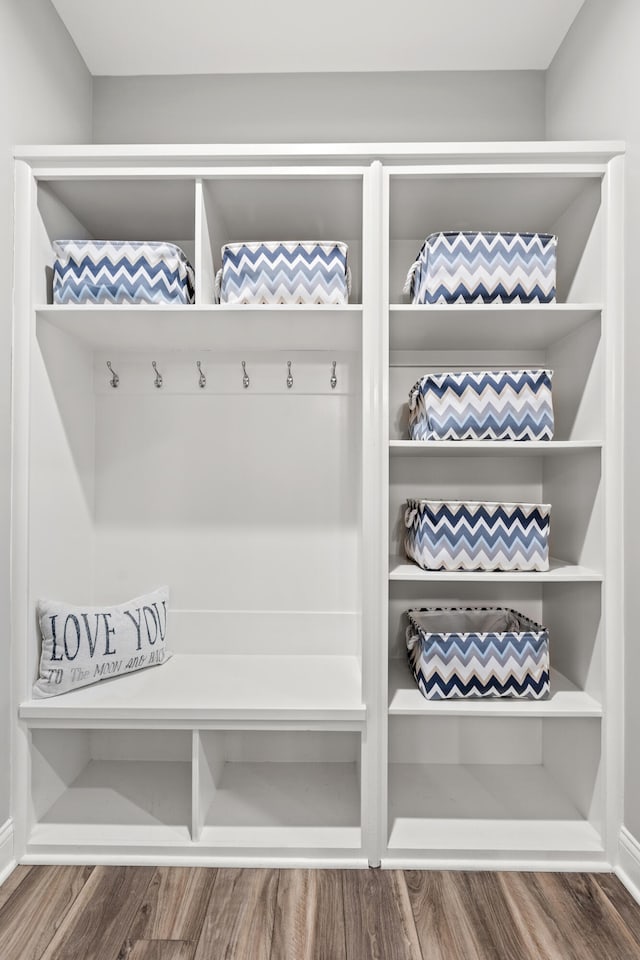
x=279, y=790
x=153, y=209
x=572, y=614
x=570, y=483
x=422, y=202
x=108, y=788
x=516, y=788
x=282, y=205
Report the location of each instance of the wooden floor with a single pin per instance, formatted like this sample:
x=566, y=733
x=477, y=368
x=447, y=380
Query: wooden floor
x=148, y=913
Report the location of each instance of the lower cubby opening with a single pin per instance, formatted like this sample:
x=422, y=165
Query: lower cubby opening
x=473, y=787
x=107, y=787
x=266, y=789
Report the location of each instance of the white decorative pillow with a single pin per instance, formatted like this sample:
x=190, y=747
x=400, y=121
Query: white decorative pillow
x=82, y=645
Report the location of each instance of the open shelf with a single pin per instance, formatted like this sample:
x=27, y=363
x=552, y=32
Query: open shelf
x=566, y=700
x=221, y=327
x=488, y=448
x=137, y=802
x=285, y=805
x=484, y=808
x=485, y=326
x=193, y=688
x=559, y=572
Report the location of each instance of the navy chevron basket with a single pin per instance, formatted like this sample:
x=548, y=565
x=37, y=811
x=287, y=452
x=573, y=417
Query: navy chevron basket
x=482, y=405
x=472, y=652
x=484, y=267
x=284, y=272
x=121, y=271
x=459, y=535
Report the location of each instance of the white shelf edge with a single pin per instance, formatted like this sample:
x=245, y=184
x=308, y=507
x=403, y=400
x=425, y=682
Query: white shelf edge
x=502, y=308
x=401, y=569
x=60, y=309
x=284, y=837
x=566, y=700
x=417, y=448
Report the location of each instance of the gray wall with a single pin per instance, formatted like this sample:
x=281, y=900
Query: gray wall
x=319, y=108
x=592, y=92
x=46, y=98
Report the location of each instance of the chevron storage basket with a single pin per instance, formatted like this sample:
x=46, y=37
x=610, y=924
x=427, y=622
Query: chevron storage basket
x=482, y=405
x=284, y=272
x=484, y=267
x=121, y=271
x=473, y=535
x=470, y=652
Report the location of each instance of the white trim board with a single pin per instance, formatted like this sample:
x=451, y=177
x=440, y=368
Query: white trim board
x=7, y=861
x=583, y=150
x=628, y=868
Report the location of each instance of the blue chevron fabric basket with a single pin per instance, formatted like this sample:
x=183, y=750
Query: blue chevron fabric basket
x=121, y=271
x=484, y=267
x=482, y=405
x=284, y=272
x=471, y=652
x=464, y=535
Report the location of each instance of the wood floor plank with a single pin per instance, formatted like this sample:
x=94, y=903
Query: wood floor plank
x=175, y=904
x=160, y=950
x=568, y=917
x=444, y=930
x=30, y=918
x=12, y=883
x=309, y=918
x=240, y=916
x=622, y=900
x=379, y=924
x=495, y=930
x=97, y=924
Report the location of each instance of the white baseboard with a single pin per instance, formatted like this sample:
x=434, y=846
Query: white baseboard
x=628, y=869
x=7, y=862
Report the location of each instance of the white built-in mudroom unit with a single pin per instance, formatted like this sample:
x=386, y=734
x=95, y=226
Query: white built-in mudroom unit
x=255, y=459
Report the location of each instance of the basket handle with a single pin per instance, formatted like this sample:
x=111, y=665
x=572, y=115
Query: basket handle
x=413, y=398
x=408, y=284
x=411, y=637
x=409, y=516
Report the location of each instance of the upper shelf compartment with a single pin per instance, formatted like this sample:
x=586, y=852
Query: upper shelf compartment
x=153, y=209
x=564, y=202
x=202, y=213
x=240, y=206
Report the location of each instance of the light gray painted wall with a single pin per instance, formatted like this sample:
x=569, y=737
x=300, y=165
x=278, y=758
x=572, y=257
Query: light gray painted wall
x=592, y=92
x=46, y=98
x=315, y=108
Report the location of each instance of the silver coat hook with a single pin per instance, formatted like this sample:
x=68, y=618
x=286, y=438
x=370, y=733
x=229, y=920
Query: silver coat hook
x=115, y=379
x=289, y=375
x=245, y=376
x=158, y=380
x=202, y=380
x=334, y=379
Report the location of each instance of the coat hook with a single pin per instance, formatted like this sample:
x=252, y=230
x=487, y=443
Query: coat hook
x=158, y=379
x=202, y=380
x=245, y=376
x=334, y=379
x=289, y=375
x=115, y=379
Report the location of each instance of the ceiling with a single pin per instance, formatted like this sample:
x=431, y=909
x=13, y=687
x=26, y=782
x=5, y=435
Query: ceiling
x=149, y=37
